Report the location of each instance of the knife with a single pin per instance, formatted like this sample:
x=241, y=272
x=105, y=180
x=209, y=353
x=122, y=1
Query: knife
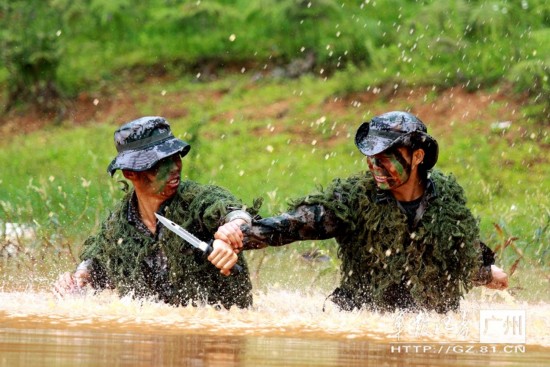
x=190, y=238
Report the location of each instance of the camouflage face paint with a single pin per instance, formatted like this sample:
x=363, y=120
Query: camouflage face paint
x=390, y=169
x=165, y=175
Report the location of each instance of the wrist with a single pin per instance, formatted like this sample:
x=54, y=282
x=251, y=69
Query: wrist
x=238, y=214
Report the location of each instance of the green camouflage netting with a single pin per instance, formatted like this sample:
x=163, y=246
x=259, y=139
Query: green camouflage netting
x=121, y=250
x=437, y=260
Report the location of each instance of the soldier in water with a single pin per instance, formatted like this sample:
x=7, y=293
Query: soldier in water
x=136, y=255
x=406, y=239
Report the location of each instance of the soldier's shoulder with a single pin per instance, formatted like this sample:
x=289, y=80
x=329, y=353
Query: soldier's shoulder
x=360, y=179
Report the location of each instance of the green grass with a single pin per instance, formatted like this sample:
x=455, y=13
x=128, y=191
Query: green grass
x=474, y=43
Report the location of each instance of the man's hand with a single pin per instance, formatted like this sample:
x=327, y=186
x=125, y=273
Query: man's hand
x=231, y=233
x=222, y=256
x=500, y=279
x=71, y=283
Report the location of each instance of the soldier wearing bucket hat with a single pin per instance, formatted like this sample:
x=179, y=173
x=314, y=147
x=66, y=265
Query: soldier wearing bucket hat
x=136, y=255
x=143, y=142
x=406, y=239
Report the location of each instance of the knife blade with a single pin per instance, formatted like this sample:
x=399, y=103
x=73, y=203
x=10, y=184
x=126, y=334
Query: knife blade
x=191, y=239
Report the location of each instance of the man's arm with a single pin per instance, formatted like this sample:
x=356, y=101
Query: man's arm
x=73, y=283
x=87, y=273
x=230, y=232
x=307, y=222
x=490, y=275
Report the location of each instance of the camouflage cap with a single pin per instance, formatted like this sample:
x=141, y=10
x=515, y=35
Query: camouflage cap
x=396, y=128
x=143, y=142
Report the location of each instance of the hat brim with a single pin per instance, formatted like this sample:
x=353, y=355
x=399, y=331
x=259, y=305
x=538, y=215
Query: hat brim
x=378, y=141
x=144, y=159
x=375, y=142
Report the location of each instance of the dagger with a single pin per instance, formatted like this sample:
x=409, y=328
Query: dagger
x=191, y=239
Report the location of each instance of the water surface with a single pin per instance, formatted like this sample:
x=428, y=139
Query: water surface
x=285, y=328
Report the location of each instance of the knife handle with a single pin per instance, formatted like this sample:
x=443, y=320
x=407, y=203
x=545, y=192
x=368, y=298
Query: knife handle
x=236, y=269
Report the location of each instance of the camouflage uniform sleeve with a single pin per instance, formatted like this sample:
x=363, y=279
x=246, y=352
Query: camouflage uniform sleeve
x=306, y=222
x=484, y=276
x=91, y=263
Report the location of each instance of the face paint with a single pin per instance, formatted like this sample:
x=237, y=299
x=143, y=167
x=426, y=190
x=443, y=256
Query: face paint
x=164, y=177
x=389, y=169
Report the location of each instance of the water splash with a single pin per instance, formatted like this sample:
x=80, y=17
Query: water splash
x=276, y=313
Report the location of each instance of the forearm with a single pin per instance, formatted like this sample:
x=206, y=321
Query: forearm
x=307, y=222
x=484, y=275
x=230, y=232
x=93, y=273
x=238, y=214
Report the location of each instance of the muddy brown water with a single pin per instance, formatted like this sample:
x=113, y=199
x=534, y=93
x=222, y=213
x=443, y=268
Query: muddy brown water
x=284, y=328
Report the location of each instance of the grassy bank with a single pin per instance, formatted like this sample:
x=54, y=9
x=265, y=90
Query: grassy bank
x=57, y=49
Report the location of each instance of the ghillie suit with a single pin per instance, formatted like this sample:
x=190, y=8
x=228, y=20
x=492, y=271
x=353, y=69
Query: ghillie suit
x=388, y=261
x=165, y=267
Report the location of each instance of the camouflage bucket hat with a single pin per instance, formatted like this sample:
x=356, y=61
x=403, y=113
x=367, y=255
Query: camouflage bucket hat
x=143, y=142
x=396, y=128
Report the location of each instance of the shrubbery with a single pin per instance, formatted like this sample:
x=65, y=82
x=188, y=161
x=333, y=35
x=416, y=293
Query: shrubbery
x=31, y=51
x=73, y=45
